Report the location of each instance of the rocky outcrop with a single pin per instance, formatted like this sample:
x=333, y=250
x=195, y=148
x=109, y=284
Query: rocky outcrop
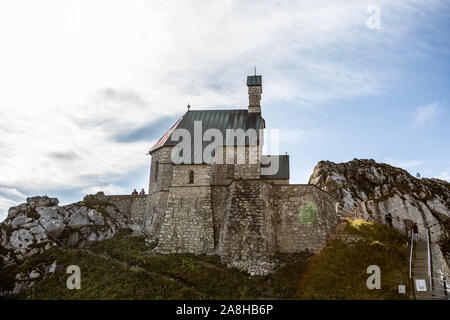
x=27, y=279
x=371, y=190
x=40, y=223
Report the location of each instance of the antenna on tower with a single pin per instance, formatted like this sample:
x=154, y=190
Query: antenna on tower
x=255, y=70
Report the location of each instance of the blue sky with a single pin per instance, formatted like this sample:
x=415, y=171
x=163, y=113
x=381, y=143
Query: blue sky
x=87, y=87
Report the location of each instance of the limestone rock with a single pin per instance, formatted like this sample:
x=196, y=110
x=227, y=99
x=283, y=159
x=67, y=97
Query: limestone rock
x=34, y=274
x=52, y=268
x=25, y=280
x=370, y=190
x=44, y=201
x=254, y=267
x=39, y=224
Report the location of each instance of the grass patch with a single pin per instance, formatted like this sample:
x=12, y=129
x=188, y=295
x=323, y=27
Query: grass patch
x=125, y=267
x=103, y=277
x=375, y=231
x=285, y=280
x=7, y=275
x=202, y=272
x=339, y=271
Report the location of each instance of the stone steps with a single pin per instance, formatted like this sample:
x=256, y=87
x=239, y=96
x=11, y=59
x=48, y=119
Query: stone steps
x=420, y=271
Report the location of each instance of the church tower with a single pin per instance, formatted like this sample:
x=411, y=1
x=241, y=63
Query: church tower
x=254, y=84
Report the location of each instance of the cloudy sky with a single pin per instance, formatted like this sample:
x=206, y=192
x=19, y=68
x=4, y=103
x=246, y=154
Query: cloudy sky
x=86, y=87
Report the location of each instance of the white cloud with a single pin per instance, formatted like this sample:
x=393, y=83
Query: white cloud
x=73, y=76
x=444, y=175
x=12, y=192
x=9, y=197
x=5, y=204
x=405, y=164
x=107, y=189
x=426, y=168
x=427, y=114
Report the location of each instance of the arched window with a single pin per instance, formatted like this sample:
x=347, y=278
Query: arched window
x=191, y=176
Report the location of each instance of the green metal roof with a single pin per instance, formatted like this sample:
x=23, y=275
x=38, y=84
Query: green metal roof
x=223, y=120
x=217, y=119
x=254, y=80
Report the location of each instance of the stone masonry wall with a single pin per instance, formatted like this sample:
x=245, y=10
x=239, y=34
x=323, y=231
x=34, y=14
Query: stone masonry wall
x=160, y=181
x=245, y=220
x=247, y=228
x=254, y=95
x=132, y=206
x=248, y=220
x=180, y=175
x=220, y=197
x=157, y=203
x=188, y=221
x=259, y=219
x=160, y=170
x=245, y=162
x=296, y=233
x=277, y=181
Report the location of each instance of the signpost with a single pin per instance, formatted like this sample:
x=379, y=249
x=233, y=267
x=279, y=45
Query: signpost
x=421, y=285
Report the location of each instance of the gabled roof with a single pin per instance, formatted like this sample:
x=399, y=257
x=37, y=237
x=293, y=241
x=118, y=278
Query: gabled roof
x=217, y=119
x=161, y=142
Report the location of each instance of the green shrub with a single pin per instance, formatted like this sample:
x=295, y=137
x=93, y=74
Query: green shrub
x=339, y=271
x=33, y=214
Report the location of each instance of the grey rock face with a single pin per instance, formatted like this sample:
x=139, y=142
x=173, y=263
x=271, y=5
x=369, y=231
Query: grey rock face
x=25, y=280
x=372, y=189
x=34, y=274
x=44, y=201
x=39, y=224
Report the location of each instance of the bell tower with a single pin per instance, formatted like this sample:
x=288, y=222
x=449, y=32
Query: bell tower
x=254, y=84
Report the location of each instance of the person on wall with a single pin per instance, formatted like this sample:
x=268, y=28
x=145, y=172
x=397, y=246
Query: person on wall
x=416, y=231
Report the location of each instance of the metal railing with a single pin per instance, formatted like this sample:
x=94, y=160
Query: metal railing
x=411, y=254
x=445, y=287
x=429, y=260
